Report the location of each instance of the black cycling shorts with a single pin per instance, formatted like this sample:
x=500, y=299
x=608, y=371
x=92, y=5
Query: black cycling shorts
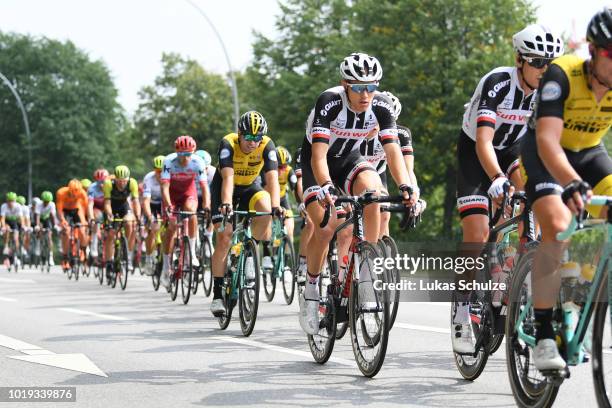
x=72, y=216
x=592, y=164
x=342, y=170
x=472, y=180
x=244, y=197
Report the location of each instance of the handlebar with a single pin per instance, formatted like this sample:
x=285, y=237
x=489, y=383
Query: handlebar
x=576, y=223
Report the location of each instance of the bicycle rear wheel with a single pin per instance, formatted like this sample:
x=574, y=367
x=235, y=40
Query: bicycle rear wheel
x=174, y=270
x=470, y=366
x=186, y=270
x=248, y=281
x=288, y=274
x=226, y=290
x=529, y=387
x=394, y=276
x=269, y=280
x=368, y=314
x=158, y=268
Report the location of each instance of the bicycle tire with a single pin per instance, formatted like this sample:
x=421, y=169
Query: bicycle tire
x=603, y=393
x=269, y=283
x=226, y=290
x=125, y=265
x=289, y=272
x=321, y=345
x=174, y=261
x=206, y=267
x=394, y=276
x=186, y=270
x=155, y=278
x=531, y=394
x=248, y=294
x=369, y=366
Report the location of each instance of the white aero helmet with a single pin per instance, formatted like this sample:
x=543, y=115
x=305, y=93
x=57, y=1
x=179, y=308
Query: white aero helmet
x=537, y=40
x=361, y=67
x=397, y=106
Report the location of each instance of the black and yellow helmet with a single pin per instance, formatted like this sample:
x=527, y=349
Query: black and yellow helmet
x=158, y=162
x=122, y=172
x=284, y=157
x=252, y=123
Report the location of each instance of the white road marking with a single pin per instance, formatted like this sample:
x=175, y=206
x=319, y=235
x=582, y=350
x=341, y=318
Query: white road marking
x=439, y=304
x=86, y=313
x=422, y=328
x=38, y=355
x=5, y=299
x=285, y=350
x=10, y=280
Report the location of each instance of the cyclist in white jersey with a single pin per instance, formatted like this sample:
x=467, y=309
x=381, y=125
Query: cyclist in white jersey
x=342, y=118
x=488, y=149
x=210, y=174
x=11, y=219
x=152, y=209
x=95, y=207
x=46, y=218
x=27, y=225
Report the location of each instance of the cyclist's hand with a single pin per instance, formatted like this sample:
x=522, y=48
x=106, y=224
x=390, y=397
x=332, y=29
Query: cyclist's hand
x=408, y=193
x=498, y=187
x=327, y=194
x=575, y=194
x=226, y=209
x=169, y=210
x=277, y=212
x=302, y=208
x=64, y=224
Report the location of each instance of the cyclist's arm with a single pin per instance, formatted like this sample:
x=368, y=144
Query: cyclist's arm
x=320, y=133
x=319, y=163
x=486, y=152
x=107, y=189
x=146, y=207
x=389, y=140
x=552, y=93
x=90, y=208
x=203, y=180
x=135, y=201
x=270, y=169
x=59, y=205
x=405, y=137
x=165, y=183
x=226, y=166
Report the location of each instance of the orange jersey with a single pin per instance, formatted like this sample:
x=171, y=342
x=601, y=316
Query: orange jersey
x=64, y=200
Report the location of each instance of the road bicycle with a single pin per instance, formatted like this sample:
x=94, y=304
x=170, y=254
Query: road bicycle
x=284, y=263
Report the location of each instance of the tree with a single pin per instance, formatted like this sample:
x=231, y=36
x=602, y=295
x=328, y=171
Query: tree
x=185, y=99
x=72, y=110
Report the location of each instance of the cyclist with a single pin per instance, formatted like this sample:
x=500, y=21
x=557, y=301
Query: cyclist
x=180, y=171
x=242, y=156
x=71, y=203
x=210, y=174
x=373, y=152
x=564, y=159
x=27, y=225
x=95, y=207
x=117, y=204
x=85, y=183
x=11, y=220
x=152, y=209
x=488, y=148
x=342, y=118
x=46, y=218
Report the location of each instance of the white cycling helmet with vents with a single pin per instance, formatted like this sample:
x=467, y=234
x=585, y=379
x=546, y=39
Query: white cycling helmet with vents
x=538, y=40
x=397, y=106
x=361, y=67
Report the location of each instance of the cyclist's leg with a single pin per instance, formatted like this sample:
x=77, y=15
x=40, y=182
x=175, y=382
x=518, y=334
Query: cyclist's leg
x=385, y=217
x=360, y=178
x=191, y=204
x=219, y=256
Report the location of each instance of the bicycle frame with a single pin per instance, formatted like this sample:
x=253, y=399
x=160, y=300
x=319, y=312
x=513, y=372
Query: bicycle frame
x=574, y=339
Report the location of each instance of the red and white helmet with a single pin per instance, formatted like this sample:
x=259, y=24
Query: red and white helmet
x=185, y=144
x=100, y=174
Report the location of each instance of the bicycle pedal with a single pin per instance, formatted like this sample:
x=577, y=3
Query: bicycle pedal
x=556, y=377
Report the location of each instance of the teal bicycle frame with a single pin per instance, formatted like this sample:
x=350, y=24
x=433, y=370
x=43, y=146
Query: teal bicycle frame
x=575, y=338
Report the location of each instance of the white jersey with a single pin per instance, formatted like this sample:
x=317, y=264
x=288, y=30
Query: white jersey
x=152, y=188
x=210, y=173
x=13, y=213
x=45, y=211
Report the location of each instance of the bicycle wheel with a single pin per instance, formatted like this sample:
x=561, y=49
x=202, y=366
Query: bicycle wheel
x=322, y=343
x=158, y=268
x=43, y=258
x=76, y=260
x=248, y=281
x=391, y=251
x=174, y=270
x=269, y=278
x=206, y=266
x=602, y=361
x=529, y=387
x=288, y=274
x=125, y=266
x=100, y=261
x=368, y=314
x=226, y=290
x=186, y=270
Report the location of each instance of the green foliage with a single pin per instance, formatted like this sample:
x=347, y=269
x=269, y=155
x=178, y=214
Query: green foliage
x=72, y=110
x=185, y=99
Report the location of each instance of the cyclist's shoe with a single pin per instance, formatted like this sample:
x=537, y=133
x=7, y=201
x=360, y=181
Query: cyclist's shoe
x=546, y=356
x=130, y=256
x=462, y=333
x=309, y=315
x=195, y=262
x=149, y=265
x=5, y=251
x=17, y=261
x=249, y=269
x=65, y=265
x=51, y=261
x=109, y=269
x=266, y=263
x=93, y=252
x=207, y=250
x=301, y=274
x=217, y=307
x=165, y=280
x=24, y=252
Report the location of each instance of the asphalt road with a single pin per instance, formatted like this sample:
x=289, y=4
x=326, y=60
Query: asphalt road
x=153, y=352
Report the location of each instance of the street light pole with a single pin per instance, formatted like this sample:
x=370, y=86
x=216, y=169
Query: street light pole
x=27, y=130
x=229, y=64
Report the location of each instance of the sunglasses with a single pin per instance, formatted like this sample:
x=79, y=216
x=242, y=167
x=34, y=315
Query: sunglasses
x=183, y=154
x=537, y=62
x=253, y=138
x=359, y=88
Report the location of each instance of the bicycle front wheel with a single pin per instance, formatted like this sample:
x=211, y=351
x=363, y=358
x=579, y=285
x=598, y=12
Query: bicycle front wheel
x=186, y=268
x=602, y=361
x=391, y=251
x=289, y=271
x=248, y=299
x=529, y=387
x=368, y=314
x=206, y=266
x=124, y=264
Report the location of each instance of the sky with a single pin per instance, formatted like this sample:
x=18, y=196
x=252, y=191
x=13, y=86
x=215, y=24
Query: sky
x=131, y=35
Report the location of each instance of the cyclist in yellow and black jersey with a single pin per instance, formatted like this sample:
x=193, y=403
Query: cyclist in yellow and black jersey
x=563, y=147
x=242, y=156
x=117, y=204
